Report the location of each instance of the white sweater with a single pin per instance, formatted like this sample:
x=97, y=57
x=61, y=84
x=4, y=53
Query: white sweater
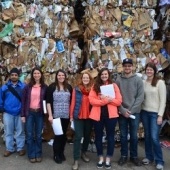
x=154, y=97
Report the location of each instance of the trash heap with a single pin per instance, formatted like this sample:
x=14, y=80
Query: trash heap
x=79, y=35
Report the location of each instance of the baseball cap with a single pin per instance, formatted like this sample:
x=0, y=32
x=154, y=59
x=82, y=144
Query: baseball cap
x=127, y=61
x=14, y=70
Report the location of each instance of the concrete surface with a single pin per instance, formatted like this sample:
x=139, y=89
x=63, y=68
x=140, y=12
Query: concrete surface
x=15, y=162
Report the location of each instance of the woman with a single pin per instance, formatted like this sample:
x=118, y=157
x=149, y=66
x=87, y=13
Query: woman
x=104, y=113
x=79, y=112
x=32, y=114
x=58, y=105
x=151, y=115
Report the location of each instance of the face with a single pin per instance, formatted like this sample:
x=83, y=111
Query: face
x=61, y=77
x=37, y=75
x=104, y=76
x=14, y=77
x=127, y=68
x=149, y=72
x=86, y=79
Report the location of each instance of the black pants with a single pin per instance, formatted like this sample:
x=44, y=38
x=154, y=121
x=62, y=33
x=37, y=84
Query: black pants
x=60, y=140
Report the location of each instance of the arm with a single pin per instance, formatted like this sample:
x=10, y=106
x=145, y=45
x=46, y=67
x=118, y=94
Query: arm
x=118, y=97
x=49, y=110
x=72, y=104
x=122, y=109
x=139, y=97
x=49, y=100
x=1, y=101
x=95, y=100
x=162, y=97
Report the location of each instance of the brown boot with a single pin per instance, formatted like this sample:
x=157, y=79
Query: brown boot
x=84, y=157
x=75, y=165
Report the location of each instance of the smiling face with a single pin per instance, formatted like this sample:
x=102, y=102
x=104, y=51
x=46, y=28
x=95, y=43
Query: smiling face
x=127, y=68
x=14, y=77
x=104, y=76
x=61, y=77
x=150, y=72
x=37, y=75
x=85, y=79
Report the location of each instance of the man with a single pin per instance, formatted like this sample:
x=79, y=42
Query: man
x=131, y=87
x=10, y=105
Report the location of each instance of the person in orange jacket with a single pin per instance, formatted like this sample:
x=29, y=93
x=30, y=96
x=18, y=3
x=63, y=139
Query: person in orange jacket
x=79, y=114
x=104, y=113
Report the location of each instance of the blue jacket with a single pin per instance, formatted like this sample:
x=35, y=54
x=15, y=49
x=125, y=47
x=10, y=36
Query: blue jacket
x=8, y=102
x=77, y=103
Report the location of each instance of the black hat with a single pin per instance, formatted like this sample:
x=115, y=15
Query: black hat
x=14, y=70
x=127, y=61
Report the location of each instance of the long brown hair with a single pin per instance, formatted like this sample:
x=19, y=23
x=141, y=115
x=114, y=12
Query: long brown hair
x=99, y=82
x=80, y=83
x=65, y=83
x=32, y=80
x=155, y=77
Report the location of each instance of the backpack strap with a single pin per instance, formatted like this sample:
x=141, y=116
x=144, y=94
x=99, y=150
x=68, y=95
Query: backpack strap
x=14, y=92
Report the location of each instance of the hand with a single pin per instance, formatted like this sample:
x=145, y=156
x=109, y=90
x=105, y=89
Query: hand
x=159, y=120
x=23, y=119
x=110, y=99
x=71, y=119
x=127, y=114
x=50, y=119
x=102, y=96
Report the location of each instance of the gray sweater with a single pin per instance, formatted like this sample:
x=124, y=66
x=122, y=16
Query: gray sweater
x=132, y=91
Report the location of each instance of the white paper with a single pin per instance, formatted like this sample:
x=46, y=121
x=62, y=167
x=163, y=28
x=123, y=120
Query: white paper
x=72, y=125
x=44, y=107
x=57, y=128
x=108, y=90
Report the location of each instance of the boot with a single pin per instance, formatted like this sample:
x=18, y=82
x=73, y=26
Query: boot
x=75, y=165
x=84, y=157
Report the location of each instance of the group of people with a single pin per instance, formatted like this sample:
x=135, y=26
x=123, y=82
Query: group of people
x=86, y=106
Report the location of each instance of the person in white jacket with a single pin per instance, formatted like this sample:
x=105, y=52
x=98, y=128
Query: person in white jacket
x=153, y=108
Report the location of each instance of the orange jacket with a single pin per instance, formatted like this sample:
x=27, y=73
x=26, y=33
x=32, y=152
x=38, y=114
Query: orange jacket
x=97, y=102
x=84, y=109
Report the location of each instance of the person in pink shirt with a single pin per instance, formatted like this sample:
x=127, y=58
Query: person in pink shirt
x=32, y=114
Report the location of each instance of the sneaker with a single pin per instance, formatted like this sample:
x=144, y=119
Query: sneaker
x=146, y=161
x=107, y=165
x=136, y=161
x=159, y=167
x=39, y=159
x=100, y=165
x=122, y=160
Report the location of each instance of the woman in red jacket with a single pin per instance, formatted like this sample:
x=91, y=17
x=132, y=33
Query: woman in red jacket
x=79, y=112
x=104, y=113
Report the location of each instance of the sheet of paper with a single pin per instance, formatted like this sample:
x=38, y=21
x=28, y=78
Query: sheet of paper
x=108, y=90
x=72, y=125
x=44, y=107
x=57, y=128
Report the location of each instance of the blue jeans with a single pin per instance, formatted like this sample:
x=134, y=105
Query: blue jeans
x=152, y=144
x=128, y=125
x=34, y=127
x=13, y=128
x=83, y=128
x=109, y=125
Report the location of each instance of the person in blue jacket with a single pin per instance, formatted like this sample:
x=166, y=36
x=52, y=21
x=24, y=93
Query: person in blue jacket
x=10, y=106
